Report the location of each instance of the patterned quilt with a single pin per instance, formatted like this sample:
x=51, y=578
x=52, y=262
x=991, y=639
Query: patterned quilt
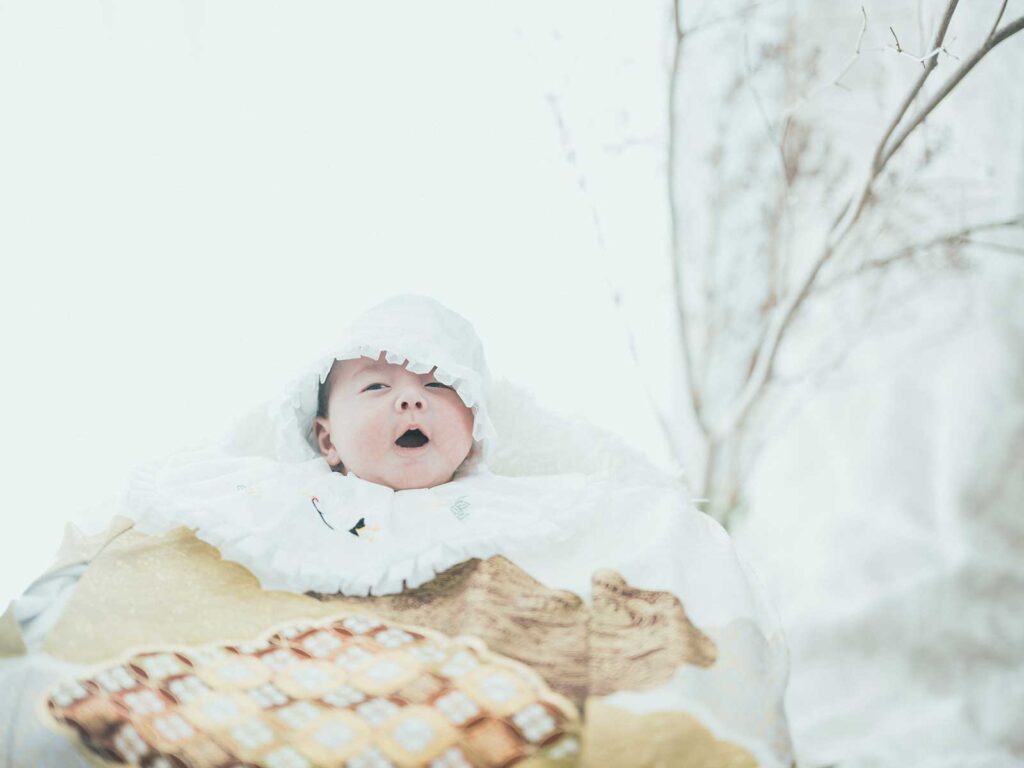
x=351, y=690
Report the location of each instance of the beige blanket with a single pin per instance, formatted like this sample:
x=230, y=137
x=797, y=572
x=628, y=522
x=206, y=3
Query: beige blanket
x=173, y=601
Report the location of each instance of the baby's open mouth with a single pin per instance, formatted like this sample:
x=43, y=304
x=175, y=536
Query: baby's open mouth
x=412, y=438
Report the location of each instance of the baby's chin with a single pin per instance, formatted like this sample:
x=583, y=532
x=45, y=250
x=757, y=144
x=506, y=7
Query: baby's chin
x=407, y=472
x=410, y=483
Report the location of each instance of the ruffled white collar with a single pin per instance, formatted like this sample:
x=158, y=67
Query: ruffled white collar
x=303, y=528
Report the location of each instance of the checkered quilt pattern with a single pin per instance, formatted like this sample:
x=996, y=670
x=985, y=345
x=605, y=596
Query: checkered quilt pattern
x=350, y=691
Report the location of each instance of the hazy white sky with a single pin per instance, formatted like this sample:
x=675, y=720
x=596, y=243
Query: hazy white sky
x=194, y=199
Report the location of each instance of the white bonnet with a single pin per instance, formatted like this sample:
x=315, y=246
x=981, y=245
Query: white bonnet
x=408, y=327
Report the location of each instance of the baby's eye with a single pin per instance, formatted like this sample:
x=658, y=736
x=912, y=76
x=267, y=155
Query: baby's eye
x=373, y=387
x=437, y=384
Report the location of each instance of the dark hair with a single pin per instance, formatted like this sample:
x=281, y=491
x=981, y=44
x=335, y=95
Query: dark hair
x=323, y=393
x=321, y=397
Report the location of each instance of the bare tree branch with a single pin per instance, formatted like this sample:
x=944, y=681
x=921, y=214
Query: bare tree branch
x=761, y=376
x=959, y=237
x=725, y=433
x=1010, y=29
x=696, y=405
x=997, y=247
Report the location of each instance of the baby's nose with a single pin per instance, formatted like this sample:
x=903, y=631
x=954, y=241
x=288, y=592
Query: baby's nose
x=409, y=401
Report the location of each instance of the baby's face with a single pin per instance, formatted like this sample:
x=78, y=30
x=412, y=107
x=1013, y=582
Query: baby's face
x=373, y=406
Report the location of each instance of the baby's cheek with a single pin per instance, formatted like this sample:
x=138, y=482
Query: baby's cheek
x=371, y=438
x=358, y=440
x=462, y=432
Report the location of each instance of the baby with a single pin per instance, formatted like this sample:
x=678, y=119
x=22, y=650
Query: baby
x=391, y=426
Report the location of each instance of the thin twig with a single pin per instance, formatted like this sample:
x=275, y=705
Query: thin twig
x=959, y=237
x=899, y=48
x=571, y=158
x=666, y=429
x=769, y=129
x=997, y=247
x=812, y=94
x=999, y=17
x=923, y=60
x=856, y=53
